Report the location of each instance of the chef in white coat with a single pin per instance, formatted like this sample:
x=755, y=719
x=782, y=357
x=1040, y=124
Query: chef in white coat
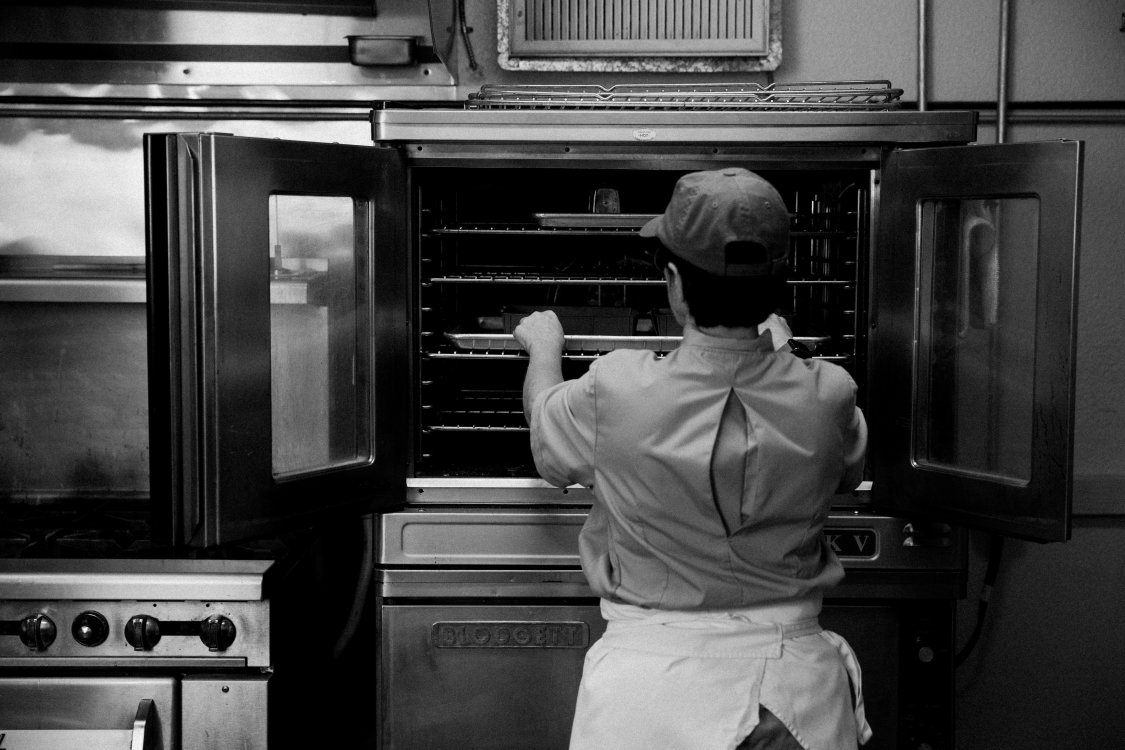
x=712, y=470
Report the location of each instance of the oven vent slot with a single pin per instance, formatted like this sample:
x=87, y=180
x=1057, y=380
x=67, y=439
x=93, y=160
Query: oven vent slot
x=568, y=28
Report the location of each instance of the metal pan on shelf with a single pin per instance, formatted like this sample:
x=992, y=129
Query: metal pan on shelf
x=491, y=342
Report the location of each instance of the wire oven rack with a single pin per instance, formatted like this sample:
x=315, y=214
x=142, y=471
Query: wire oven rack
x=817, y=95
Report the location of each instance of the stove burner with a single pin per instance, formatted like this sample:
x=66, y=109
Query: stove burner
x=74, y=529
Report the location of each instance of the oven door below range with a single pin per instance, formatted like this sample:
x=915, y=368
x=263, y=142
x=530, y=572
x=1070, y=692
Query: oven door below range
x=88, y=712
x=48, y=711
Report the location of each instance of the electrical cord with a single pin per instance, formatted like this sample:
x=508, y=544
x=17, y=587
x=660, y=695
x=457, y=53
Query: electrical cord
x=995, y=551
x=465, y=31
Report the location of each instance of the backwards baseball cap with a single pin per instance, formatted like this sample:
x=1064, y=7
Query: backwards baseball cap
x=728, y=222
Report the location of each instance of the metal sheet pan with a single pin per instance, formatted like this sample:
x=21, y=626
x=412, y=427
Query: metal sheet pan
x=507, y=342
x=595, y=221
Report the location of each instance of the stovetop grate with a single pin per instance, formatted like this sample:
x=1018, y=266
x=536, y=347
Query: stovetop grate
x=846, y=95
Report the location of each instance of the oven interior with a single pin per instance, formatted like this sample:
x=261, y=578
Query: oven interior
x=493, y=244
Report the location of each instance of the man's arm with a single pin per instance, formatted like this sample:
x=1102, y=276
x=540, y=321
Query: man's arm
x=541, y=335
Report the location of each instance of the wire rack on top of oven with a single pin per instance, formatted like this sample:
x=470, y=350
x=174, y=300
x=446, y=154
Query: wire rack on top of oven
x=817, y=95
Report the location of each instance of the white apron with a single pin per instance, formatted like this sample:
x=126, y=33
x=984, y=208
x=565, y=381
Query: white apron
x=694, y=680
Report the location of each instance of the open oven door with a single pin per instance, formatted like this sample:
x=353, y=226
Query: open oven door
x=276, y=332
x=975, y=305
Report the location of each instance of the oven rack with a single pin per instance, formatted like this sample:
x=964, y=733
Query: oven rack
x=469, y=346
x=844, y=360
x=475, y=428
x=814, y=95
x=601, y=229
x=539, y=278
x=573, y=344
x=515, y=355
x=539, y=230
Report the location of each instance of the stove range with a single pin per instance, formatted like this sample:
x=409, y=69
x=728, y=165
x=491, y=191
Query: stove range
x=109, y=529
x=139, y=652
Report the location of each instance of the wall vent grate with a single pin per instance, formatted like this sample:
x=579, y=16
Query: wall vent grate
x=639, y=28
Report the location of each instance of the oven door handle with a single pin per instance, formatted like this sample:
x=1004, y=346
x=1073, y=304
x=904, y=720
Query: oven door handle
x=146, y=727
x=145, y=735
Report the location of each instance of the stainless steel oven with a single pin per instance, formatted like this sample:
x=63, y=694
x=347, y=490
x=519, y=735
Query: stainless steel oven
x=330, y=334
x=484, y=620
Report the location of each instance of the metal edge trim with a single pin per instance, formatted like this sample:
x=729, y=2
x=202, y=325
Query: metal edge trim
x=73, y=290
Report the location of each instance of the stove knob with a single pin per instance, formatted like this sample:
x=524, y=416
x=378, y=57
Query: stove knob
x=90, y=629
x=142, y=632
x=37, y=631
x=217, y=633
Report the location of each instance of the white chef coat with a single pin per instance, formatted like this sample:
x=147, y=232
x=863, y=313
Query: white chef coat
x=665, y=531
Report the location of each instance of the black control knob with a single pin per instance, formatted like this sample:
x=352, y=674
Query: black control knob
x=90, y=628
x=142, y=632
x=217, y=633
x=37, y=631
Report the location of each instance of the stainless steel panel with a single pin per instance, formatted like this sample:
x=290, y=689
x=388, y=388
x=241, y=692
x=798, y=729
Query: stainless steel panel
x=72, y=290
x=221, y=712
x=506, y=675
x=664, y=127
x=493, y=490
x=221, y=50
x=146, y=733
x=436, y=583
x=74, y=703
x=158, y=579
x=492, y=537
x=511, y=537
x=482, y=676
x=73, y=376
x=251, y=646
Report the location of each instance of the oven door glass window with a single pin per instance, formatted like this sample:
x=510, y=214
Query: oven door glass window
x=316, y=393
x=974, y=375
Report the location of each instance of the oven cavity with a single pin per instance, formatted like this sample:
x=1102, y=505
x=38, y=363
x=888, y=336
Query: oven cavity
x=495, y=244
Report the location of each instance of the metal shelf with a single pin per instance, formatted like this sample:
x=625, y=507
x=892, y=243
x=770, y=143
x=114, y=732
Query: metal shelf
x=538, y=278
x=472, y=428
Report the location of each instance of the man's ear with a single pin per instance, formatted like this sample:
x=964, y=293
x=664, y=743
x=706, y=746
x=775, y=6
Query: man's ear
x=674, y=280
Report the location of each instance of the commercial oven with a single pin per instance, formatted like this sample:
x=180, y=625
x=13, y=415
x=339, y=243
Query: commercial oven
x=330, y=334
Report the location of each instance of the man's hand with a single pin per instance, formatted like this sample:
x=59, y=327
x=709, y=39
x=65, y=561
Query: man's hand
x=541, y=334
x=779, y=331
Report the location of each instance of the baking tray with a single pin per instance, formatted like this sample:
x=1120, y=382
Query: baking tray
x=594, y=221
x=495, y=342
x=492, y=342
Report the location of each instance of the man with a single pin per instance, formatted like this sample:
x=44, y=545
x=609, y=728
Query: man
x=712, y=470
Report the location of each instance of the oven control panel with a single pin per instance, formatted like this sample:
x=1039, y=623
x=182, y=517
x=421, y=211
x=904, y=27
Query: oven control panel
x=75, y=633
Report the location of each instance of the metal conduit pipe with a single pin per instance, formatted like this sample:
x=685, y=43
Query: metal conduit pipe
x=1002, y=76
x=922, y=32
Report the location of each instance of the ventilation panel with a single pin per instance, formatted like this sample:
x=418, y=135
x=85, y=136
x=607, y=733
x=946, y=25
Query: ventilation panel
x=628, y=31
